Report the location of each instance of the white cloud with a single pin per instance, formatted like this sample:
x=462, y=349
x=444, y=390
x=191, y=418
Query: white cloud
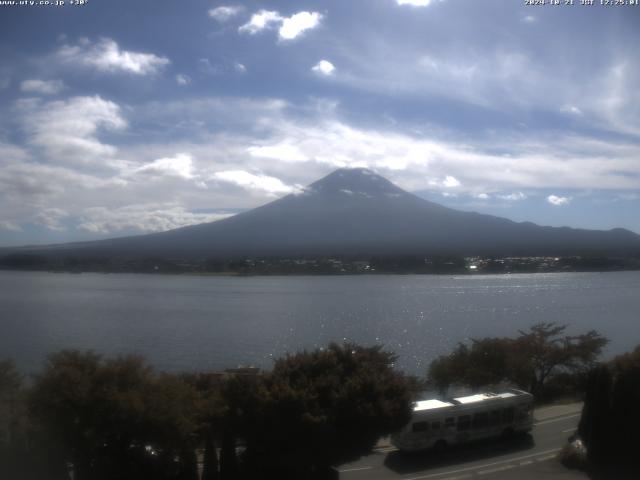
x=571, y=109
x=290, y=27
x=67, y=129
x=249, y=181
x=182, y=79
x=298, y=23
x=282, y=151
x=324, y=67
x=513, y=197
x=106, y=56
x=482, y=196
x=181, y=165
x=558, y=201
x=225, y=13
x=239, y=67
x=142, y=217
x=44, y=87
x=414, y=3
x=263, y=19
x=530, y=19
x=451, y=182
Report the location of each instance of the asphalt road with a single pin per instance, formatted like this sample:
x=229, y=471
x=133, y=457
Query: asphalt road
x=529, y=457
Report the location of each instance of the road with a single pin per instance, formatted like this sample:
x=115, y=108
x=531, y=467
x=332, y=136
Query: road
x=531, y=457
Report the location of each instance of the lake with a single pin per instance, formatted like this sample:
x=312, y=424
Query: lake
x=196, y=323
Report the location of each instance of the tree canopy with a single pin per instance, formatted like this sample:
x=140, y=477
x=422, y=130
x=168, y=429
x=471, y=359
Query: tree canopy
x=528, y=361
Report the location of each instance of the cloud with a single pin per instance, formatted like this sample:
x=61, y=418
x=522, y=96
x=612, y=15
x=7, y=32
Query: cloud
x=10, y=226
x=106, y=56
x=66, y=130
x=181, y=165
x=324, y=67
x=182, y=79
x=153, y=217
x=249, y=181
x=44, y=87
x=414, y=3
x=282, y=151
x=558, y=201
x=530, y=19
x=298, y=23
x=51, y=219
x=571, y=109
x=263, y=19
x=482, y=196
x=225, y=13
x=513, y=197
x=239, y=67
x=450, y=182
x=290, y=27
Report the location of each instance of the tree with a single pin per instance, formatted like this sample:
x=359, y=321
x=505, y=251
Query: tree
x=326, y=407
x=528, y=361
x=113, y=418
x=485, y=362
x=544, y=350
x=610, y=419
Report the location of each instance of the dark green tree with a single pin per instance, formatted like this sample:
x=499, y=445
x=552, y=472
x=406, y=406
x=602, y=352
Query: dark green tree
x=327, y=407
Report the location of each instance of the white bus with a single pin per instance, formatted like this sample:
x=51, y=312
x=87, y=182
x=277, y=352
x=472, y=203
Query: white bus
x=437, y=424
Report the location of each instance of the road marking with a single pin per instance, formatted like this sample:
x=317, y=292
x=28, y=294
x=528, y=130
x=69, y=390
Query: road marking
x=357, y=469
x=545, y=458
x=497, y=469
x=569, y=430
x=544, y=422
x=476, y=467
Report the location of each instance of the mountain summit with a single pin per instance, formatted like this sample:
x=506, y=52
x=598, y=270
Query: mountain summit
x=356, y=211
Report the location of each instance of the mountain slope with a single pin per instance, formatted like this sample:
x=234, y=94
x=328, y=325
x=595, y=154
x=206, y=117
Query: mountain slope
x=355, y=211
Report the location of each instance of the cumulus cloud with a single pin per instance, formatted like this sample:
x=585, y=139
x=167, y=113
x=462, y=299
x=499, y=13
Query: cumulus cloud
x=182, y=79
x=239, y=67
x=250, y=181
x=290, y=27
x=513, y=197
x=414, y=3
x=225, y=13
x=558, y=201
x=180, y=165
x=143, y=218
x=324, y=67
x=261, y=20
x=66, y=130
x=451, y=182
x=43, y=87
x=107, y=56
x=298, y=23
x=281, y=151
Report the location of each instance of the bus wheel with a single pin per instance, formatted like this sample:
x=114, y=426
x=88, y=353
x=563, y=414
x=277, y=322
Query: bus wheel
x=440, y=446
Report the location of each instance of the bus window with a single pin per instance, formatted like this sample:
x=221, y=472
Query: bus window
x=420, y=427
x=464, y=423
x=507, y=415
x=494, y=418
x=449, y=422
x=481, y=420
x=435, y=425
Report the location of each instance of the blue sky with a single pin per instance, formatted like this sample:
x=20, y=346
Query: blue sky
x=123, y=117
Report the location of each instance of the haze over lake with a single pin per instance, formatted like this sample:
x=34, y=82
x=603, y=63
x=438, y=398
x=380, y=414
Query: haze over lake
x=198, y=323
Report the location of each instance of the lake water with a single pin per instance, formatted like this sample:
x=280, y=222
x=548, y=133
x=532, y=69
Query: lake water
x=198, y=323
